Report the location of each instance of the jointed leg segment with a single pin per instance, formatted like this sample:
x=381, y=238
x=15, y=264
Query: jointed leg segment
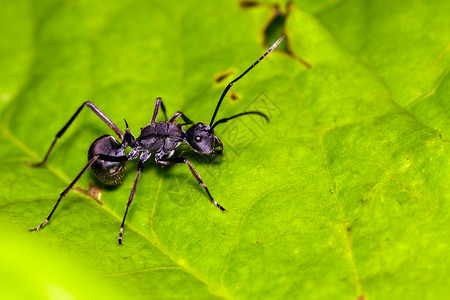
x=156, y=110
x=182, y=115
x=130, y=199
x=177, y=160
x=66, y=190
x=97, y=111
x=70, y=186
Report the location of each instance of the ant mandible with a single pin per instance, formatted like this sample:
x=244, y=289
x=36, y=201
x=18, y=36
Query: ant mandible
x=107, y=158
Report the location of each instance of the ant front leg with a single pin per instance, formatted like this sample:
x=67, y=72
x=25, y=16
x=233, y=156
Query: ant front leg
x=97, y=111
x=178, y=160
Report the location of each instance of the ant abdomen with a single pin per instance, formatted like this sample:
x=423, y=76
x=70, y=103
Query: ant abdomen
x=108, y=172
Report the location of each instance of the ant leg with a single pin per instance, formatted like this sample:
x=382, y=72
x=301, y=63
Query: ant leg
x=183, y=116
x=68, y=188
x=156, y=110
x=97, y=111
x=163, y=108
x=177, y=160
x=133, y=190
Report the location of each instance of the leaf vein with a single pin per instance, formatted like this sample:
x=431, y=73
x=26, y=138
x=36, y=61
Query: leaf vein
x=348, y=243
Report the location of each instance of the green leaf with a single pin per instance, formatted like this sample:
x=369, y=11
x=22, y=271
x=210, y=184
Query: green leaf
x=407, y=45
x=343, y=195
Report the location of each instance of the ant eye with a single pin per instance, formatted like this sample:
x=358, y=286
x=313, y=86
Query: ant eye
x=198, y=139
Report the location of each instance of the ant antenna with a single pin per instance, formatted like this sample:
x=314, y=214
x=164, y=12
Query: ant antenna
x=241, y=114
x=242, y=75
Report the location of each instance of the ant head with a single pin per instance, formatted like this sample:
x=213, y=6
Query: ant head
x=202, y=139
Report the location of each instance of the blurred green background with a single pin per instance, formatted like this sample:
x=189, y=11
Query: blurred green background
x=343, y=195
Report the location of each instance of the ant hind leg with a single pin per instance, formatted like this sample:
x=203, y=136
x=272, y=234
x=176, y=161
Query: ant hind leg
x=97, y=111
x=66, y=190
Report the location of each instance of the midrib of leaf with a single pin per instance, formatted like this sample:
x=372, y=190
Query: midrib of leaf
x=219, y=291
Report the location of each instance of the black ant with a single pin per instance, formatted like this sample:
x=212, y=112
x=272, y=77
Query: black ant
x=107, y=158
